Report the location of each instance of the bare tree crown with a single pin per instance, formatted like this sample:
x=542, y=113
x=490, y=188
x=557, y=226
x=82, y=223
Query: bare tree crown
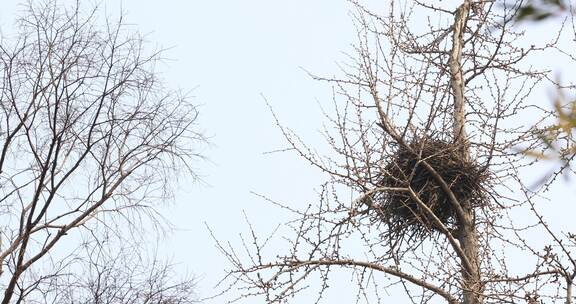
x=460, y=79
x=91, y=139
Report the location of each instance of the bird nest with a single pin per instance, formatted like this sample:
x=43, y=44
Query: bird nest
x=403, y=212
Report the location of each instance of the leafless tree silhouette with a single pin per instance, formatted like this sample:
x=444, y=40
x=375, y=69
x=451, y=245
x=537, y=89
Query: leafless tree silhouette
x=111, y=274
x=91, y=142
x=425, y=136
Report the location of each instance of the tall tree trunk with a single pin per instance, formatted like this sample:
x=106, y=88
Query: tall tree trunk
x=467, y=235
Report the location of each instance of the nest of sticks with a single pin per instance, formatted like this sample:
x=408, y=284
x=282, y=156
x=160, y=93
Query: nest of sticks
x=403, y=213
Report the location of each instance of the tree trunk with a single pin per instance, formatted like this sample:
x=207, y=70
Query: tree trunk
x=467, y=235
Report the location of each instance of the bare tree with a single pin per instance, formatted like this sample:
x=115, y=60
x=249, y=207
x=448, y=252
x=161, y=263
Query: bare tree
x=91, y=142
x=425, y=138
x=112, y=275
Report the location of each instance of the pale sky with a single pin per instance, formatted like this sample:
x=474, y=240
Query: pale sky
x=230, y=54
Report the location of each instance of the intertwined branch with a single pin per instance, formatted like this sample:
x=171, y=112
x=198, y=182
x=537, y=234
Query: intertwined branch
x=423, y=132
x=90, y=140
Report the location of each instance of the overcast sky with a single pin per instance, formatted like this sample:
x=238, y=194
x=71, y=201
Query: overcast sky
x=230, y=55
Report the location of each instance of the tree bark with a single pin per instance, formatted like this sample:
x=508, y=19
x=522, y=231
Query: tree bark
x=457, y=81
x=471, y=284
